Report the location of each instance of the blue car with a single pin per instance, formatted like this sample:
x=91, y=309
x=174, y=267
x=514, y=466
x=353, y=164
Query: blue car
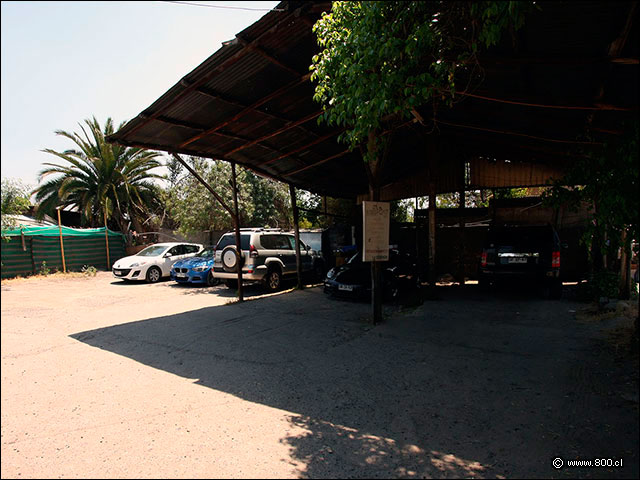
x=196, y=269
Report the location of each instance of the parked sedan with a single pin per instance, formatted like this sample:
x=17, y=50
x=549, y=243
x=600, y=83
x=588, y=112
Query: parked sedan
x=353, y=278
x=196, y=269
x=154, y=262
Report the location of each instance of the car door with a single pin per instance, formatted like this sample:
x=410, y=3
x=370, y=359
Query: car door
x=286, y=253
x=305, y=257
x=173, y=255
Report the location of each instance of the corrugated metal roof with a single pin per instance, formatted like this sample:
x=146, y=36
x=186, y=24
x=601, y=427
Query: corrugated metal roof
x=574, y=54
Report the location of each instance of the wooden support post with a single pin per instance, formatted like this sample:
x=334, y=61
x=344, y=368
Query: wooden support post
x=624, y=288
x=296, y=229
x=376, y=273
x=236, y=224
x=106, y=238
x=461, y=270
x=432, y=236
x=64, y=265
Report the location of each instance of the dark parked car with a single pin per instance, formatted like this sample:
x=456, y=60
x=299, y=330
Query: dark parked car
x=196, y=269
x=353, y=278
x=522, y=253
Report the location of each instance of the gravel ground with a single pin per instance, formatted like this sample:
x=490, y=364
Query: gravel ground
x=102, y=379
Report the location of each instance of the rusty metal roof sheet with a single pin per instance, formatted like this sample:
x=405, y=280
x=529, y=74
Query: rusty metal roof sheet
x=572, y=65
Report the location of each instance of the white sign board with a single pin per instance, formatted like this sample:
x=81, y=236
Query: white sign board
x=375, y=217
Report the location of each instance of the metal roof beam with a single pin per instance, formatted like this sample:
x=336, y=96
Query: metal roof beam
x=289, y=126
x=300, y=149
x=263, y=53
x=223, y=98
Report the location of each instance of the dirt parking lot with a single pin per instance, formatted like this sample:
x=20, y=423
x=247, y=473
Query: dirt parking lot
x=102, y=379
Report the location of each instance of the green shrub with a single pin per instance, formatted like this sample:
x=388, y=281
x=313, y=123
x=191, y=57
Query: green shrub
x=89, y=271
x=44, y=270
x=599, y=284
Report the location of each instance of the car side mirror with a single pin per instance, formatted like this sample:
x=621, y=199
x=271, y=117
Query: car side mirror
x=166, y=255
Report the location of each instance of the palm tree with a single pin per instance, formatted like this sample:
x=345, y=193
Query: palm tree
x=102, y=180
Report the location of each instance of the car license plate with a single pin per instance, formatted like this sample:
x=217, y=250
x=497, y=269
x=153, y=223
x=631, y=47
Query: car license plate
x=118, y=273
x=517, y=259
x=346, y=288
x=181, y=275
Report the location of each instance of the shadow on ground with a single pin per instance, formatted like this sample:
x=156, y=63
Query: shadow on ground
x=469, y=386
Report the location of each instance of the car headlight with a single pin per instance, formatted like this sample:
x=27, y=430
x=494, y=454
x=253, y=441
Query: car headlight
x=200, y=268
x=137, y=264
x=331, y=273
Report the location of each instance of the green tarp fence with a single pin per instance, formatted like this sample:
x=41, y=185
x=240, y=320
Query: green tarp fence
x=24, y=249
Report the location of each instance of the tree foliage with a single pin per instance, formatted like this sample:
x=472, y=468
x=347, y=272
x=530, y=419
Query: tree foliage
x=607, y=178
x=382, y=59
x=15, y=201
x=191, y=207
x=99, y=178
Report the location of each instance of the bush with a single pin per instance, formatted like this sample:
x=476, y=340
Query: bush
x=44, y=270
x=89, y=271
x=600, y=284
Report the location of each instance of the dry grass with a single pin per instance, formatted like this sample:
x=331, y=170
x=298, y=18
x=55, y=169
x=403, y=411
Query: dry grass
x=52, y=276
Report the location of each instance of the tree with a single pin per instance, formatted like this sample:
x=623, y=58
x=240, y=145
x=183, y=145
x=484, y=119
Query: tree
x=191, y=208
x=15, y=201
x=607, y=178
x=100, y=179
x=381, y=60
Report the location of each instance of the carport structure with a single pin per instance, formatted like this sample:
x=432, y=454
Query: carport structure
x=571, y=69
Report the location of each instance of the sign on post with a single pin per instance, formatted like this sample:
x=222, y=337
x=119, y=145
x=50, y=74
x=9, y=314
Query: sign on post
x=376, y=231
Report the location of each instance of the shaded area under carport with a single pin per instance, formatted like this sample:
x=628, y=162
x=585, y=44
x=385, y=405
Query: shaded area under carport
x=481, y=386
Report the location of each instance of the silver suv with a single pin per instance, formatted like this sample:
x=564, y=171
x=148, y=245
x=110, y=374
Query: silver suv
x=268, y=255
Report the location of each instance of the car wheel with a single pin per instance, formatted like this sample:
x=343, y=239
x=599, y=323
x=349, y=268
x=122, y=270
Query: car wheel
x=154, y=274
x=233, y=284
x=211, y=280
x=273, y=280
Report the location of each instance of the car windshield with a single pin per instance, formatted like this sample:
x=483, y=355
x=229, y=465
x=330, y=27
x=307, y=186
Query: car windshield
x=208, y=252
x=509, y=239
x=152, y=251
x=356, y=258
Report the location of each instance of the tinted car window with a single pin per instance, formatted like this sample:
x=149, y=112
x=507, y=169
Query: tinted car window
x=177, y=250
x=282, y=242
x=522, y=238
x=230, y=239
x=292, y=242
x=207, y=252
x=268, y=242
x=191, y=248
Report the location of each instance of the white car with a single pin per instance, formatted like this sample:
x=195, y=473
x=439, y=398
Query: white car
x=154, y=262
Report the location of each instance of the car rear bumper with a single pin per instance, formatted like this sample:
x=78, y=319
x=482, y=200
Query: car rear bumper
x=245, y=275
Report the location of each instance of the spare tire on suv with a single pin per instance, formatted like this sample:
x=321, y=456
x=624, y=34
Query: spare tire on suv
x=231, y=261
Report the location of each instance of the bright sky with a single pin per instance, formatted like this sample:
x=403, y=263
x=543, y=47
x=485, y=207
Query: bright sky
x=63, y=62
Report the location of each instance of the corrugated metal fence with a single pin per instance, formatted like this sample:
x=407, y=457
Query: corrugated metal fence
x=24, y=255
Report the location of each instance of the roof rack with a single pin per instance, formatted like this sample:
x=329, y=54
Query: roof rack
x=260, y=229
